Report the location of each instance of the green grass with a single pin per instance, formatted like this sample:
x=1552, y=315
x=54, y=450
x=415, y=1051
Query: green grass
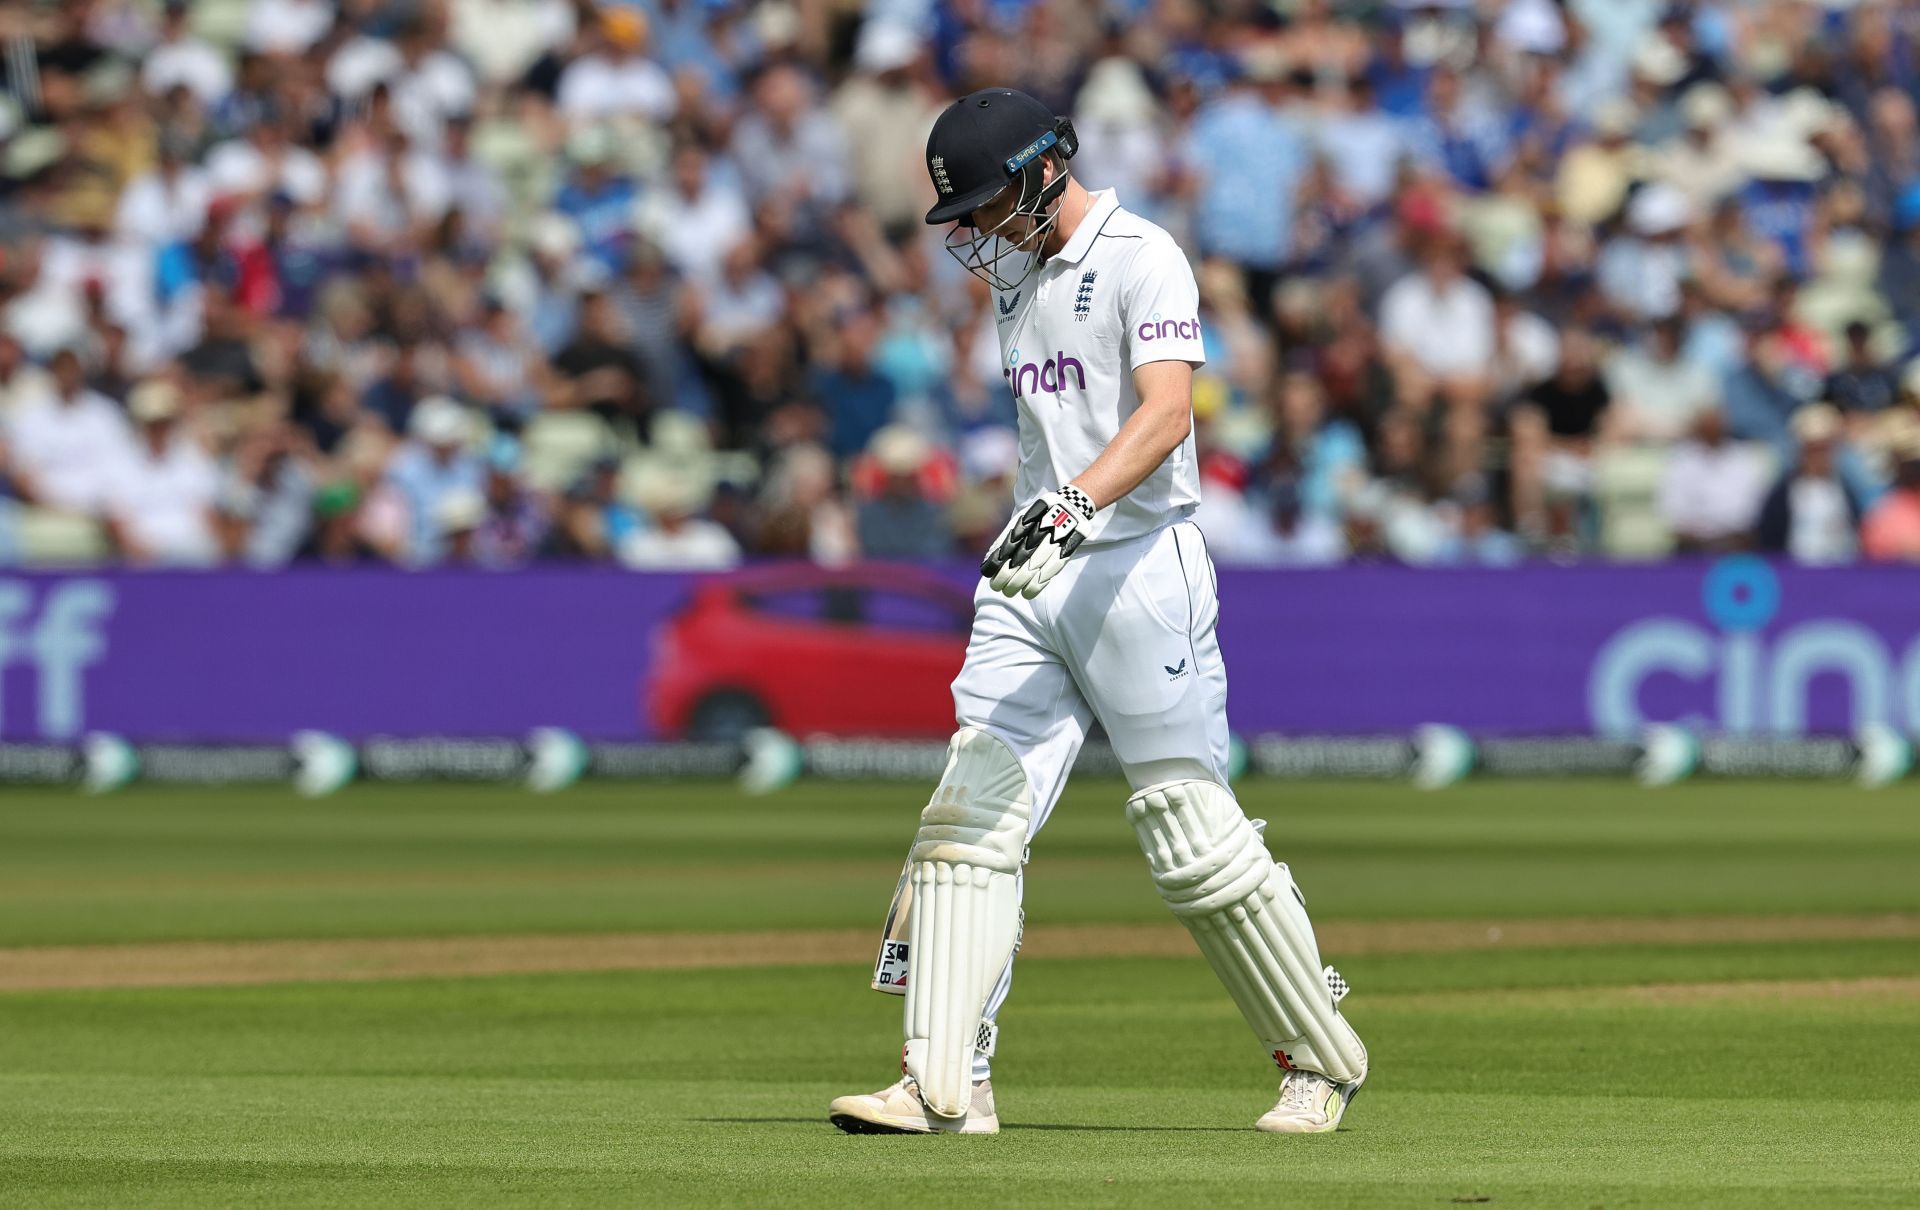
x=1529, y=1077
x=389, y=861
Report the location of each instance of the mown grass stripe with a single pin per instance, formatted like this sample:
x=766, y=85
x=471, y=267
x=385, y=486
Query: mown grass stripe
x=186, y=964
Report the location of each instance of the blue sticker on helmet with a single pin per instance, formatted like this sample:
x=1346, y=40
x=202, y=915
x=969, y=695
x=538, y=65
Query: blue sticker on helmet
x=1019, y=159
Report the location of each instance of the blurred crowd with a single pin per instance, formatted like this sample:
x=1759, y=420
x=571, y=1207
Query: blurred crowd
x=496, y=281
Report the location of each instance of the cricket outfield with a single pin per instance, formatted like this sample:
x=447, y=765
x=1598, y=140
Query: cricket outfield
x=1575, y=994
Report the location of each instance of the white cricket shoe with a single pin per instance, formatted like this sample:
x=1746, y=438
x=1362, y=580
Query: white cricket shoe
x=1310, y=1103
x=898, y=1109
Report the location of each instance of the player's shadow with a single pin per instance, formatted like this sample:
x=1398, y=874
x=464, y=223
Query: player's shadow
x=1128, y=1129
x=810, y=1121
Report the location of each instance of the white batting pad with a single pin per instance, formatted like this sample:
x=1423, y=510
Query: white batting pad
x=1242, y=908
x=963, y=871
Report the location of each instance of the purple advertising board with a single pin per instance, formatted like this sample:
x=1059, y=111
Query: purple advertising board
x=1737, y=646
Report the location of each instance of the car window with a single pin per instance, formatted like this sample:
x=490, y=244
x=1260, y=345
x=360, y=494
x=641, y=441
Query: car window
x=790, y=604
x=829, y=604
x=901, y=609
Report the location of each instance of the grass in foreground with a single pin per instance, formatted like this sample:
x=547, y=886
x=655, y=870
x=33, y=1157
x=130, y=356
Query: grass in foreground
x=1120, y=1081
x=1765, y=1073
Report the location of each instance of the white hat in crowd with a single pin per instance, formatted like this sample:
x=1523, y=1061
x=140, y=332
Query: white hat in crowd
x=1816, y=422
x=899, y=450
x=662, y=491
x=885, y=46
x=439, y=421
x=1659, y=209
x=1706, y=107
x=153, y=401
x=460, y=510
x=1781, y=156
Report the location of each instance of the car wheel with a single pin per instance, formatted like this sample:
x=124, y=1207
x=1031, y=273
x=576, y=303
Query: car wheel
x=726, y=715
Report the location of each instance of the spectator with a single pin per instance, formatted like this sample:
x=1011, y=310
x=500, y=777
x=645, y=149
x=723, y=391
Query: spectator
x=1289, y=535
x=1659, y=393
x=358, y=518
x=1476, y=538
x=886, y=111
x=267, y=158
x=598, y=199
x=20, y=379
x=184, y=61
x=160, y=500
x=394, y=395
x=1764, y=391
x=699, y=218
x=1314, y=460
x=1438, y=327
x=1122, y=133
x=68, y=443
x=497, y=367
x=989, y=460
x=858, y=399
x=1899, y=278
x=1365, y=146
x=426, y=82
x=1712, y=488
x=266, y=502
x=1891, y=532
x=1461, y=137
x=657, y=311
x=513, y=524
x=739, y=305
x=1640, y=274
x=678, y=539
x=436, y=463
x=598, y=371
x=1248, y=161
x=615, y=78
x=1556, y=434
x=649, y=211
x=595, y=520
x=550, y=288
x=1525, y=348
x=459, y=515
x=1778, y=198
x=789, y=151
x=1811, y=515
x=1507, y=232
x=287, y=27
x=1733, y=267
x=804, y=516
x=1892, y=130
x=504, y=39
x=168, y=204
x=456, y=180
x=1593, y=178
x=900, y=522
x=1701, y=165
x=1862, y=382
x=1438, y=323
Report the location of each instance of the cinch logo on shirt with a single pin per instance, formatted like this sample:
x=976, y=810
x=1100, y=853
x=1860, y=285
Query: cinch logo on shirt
x=1046, y=376
x=1153, y=329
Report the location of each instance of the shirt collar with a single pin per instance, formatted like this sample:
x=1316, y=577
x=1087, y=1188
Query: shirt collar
x=1104, y=203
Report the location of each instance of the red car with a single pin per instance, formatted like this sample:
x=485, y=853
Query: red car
x=868, y=650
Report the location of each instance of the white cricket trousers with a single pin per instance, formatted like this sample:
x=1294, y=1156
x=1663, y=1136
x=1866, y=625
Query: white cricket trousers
x=1125, y=634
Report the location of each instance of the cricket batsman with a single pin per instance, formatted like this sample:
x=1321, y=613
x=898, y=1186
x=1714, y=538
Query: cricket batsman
x=1096, y=602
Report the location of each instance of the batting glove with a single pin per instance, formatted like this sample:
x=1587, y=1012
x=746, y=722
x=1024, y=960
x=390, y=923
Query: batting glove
x=1035, y=545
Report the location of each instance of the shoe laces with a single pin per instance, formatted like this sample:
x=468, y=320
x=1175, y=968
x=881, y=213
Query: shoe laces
x=1299, y=1089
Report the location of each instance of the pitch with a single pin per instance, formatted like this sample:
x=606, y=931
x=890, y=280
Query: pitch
x=1575, y=993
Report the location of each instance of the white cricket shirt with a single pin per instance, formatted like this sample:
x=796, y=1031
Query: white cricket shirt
x=1119, y=295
